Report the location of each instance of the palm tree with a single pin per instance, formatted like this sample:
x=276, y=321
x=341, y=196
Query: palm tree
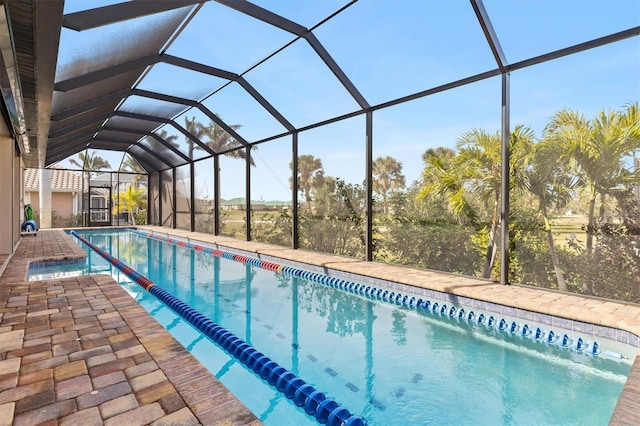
x=479, y=157
x=441, y=178
x=131, y=201
x=598, y=150
x=476, y=171
x=170, y=139
x=552, y=184
x=387, y=176
x=310, y=175
x=90, y=161
x=196, y=129
x=215, y=137
x=131, y=165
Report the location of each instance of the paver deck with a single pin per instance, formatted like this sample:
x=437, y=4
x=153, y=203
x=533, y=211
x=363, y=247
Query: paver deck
x=82, y=351
x=32, y=309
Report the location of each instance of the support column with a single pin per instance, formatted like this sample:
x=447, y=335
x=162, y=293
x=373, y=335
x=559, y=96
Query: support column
x=247, y=192
x=45, y=198
x=216, y=197
x=295, y=239
x=369, y=187
x=506, y=176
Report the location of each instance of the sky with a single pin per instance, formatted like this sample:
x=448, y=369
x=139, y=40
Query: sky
x=388, y=49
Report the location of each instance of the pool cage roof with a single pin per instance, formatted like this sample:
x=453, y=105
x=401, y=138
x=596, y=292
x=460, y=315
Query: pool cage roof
x=133, y=76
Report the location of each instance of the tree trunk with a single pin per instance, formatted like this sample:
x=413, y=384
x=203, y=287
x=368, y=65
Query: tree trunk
x=492, y=248
x=384, y=202
x=562, y=285
x=588, y=285
x=592, y=207
x=602, y=207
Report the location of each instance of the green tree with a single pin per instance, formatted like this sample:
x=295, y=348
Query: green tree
x=132, y=200
x=475, y=173
x=479, y=158
x=441, y=178
x=197, y=130
x=387, y=177
x=90, y=161
x=424, y=233
x=215, y=137
x=553, y=185
x=131, y=165
x=333, y=221
x=310, y=175
x=599, y=150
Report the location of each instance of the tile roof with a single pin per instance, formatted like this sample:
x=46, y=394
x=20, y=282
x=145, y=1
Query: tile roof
x=61, y=180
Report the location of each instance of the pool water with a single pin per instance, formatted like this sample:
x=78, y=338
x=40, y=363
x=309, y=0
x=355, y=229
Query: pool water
x=385, y=363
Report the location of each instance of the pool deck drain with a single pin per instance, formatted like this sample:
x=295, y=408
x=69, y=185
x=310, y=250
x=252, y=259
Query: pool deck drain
x=82, y=351
x=47, y=366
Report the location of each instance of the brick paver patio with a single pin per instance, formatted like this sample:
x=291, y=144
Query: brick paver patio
x=82, y=351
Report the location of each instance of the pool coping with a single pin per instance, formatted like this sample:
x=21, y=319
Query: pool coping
x=605, y=315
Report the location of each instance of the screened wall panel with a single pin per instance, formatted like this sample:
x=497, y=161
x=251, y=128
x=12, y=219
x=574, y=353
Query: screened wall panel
x=527, y=29
x=237, y=53
x=208, y=132
x=432, y=208
x=149, y=162
x=154, y=199
x=186, y=144
x=167, y=206
x=577, y=227
x=271, y=220
x=236, y=106
x=204, y=196
x=233, y=195
x=166, y=153
x=279, y=81
x=183, y=197
x=331, y=198
x=193, y=85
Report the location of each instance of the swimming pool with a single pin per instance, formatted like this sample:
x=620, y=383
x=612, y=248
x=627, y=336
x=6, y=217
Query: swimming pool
x=385, y=362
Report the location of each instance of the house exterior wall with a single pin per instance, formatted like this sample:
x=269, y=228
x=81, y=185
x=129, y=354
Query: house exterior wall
x=61, y=207
x=62, y=203
x=9, y=194
x=18, y=185
x=33, y=198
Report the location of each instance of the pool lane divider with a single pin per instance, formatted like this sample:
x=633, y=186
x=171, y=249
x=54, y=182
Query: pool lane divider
x=315, y=403
x=548, y=337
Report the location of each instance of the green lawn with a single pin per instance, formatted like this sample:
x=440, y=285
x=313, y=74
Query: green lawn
x=567, y=226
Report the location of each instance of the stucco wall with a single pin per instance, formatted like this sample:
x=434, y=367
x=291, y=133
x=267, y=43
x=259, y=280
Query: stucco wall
x=16, y=196
x=62, y=203
x=61, y=207
x=9, y=223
